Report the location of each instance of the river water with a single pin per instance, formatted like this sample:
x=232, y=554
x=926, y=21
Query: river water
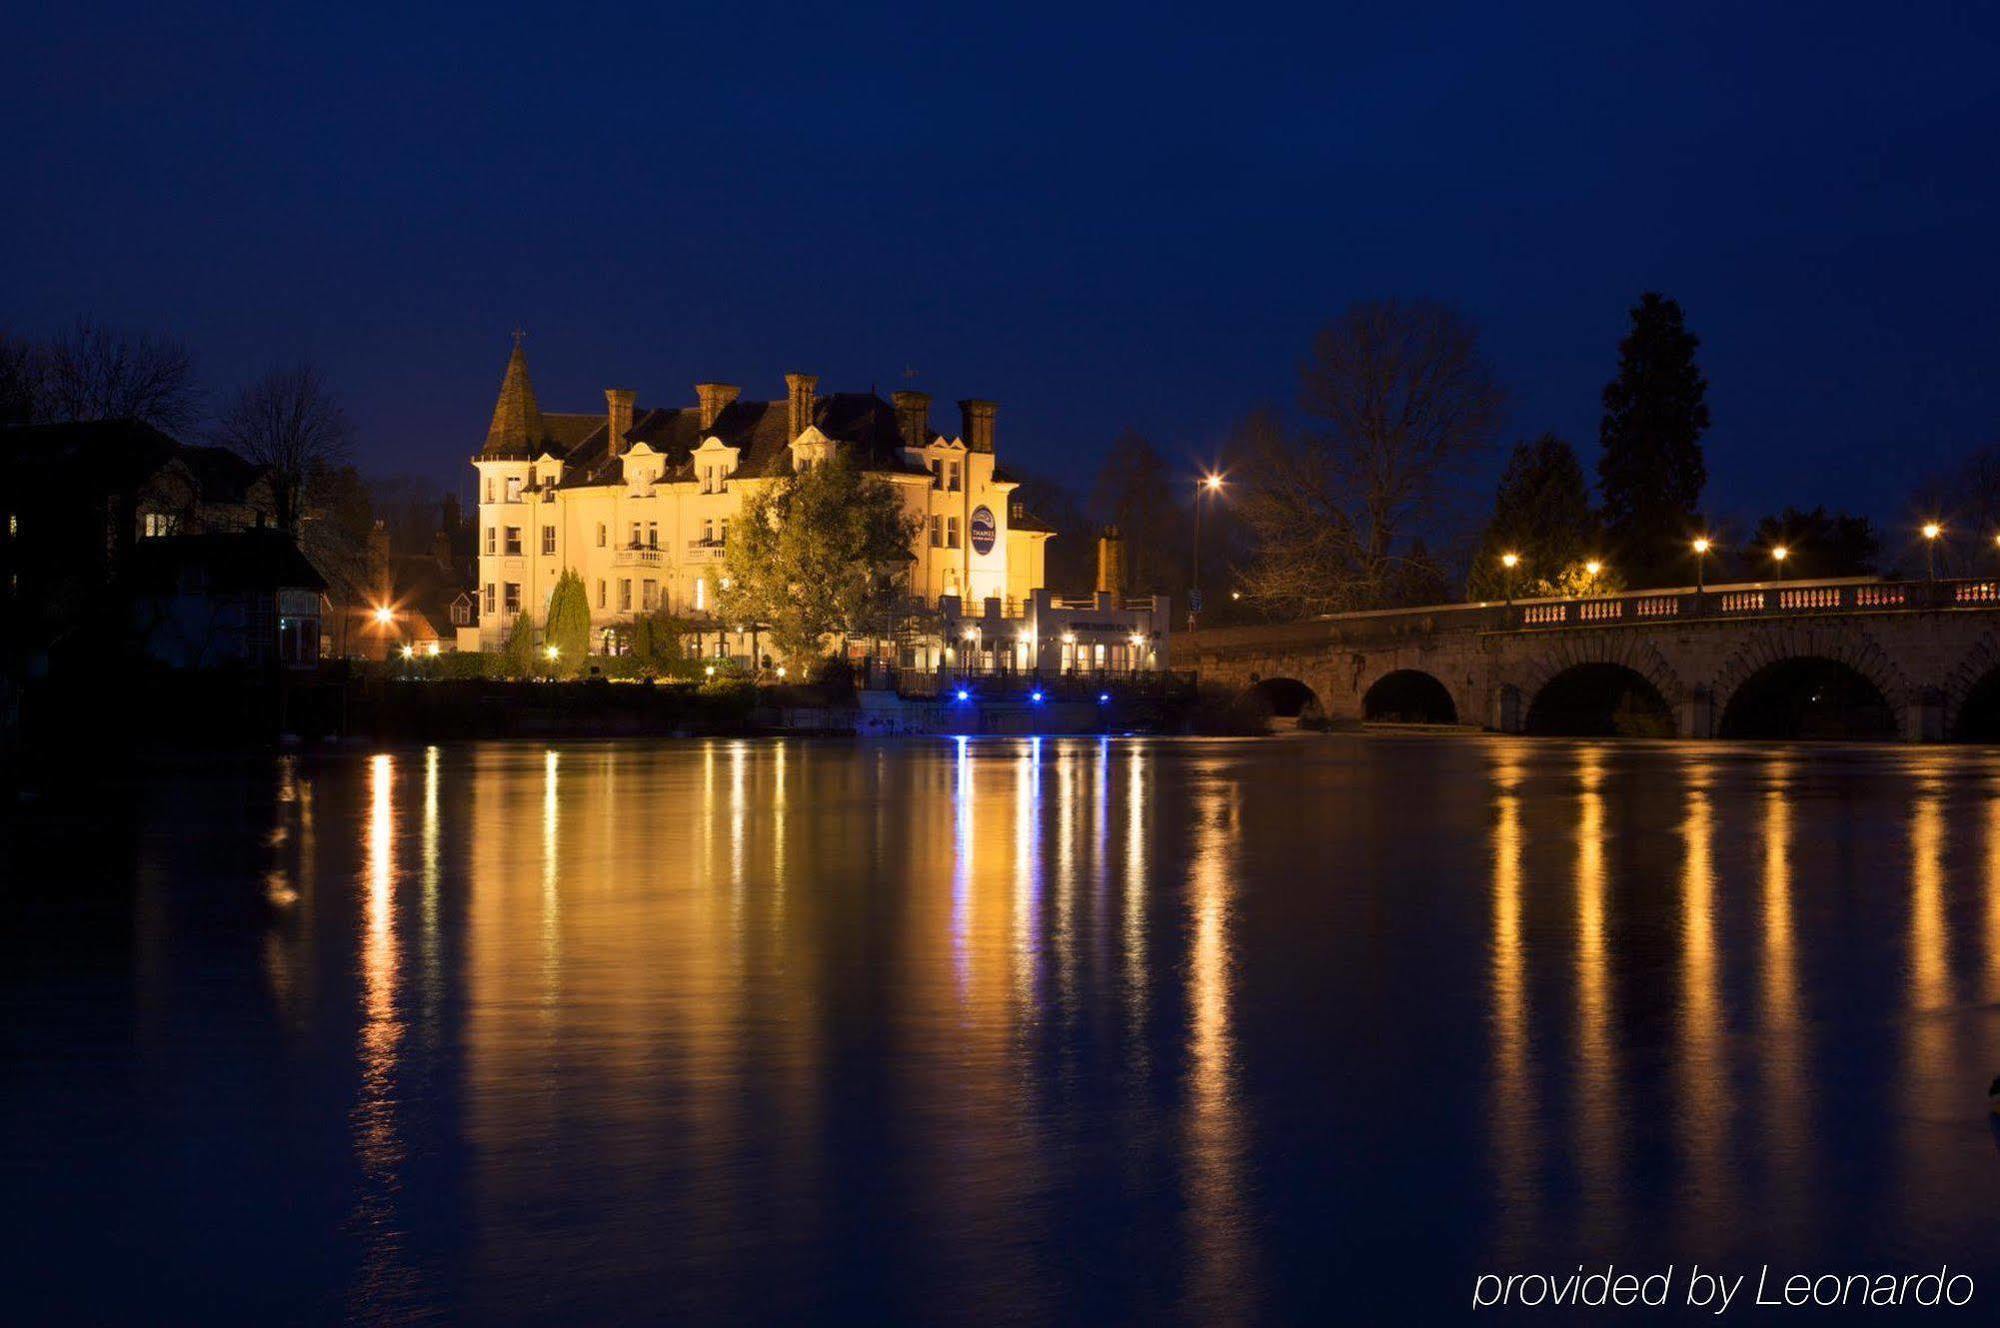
x=1306, y=1028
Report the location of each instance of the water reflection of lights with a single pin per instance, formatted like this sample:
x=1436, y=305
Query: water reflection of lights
x=1598, y=1121
x=1514, y=1102
x=1705, y=1086
x=1216, y=1202
x=378, y=1145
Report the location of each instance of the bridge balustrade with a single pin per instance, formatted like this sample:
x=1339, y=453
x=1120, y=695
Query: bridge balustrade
x=1741, y=601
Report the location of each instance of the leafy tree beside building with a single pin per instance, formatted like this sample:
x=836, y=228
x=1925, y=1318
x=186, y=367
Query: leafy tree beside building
x=1651, y=472
x=568, y=627
x=817, y=556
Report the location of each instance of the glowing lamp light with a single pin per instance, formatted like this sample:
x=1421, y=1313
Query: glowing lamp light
x=553, y=652
x=1593, y=567
x=1701, y=544
x=781, y=670
x=1932, y=530
x=972, y=633
x=1781, y=553
x=1212, y=483
x=964, y=695
x=1510, y=560
x=385, y=615
x=1236, y=594
x=709, y=672
x=409, y=652
x=431, y=649
x=1104, y=698
x=1069, y=638
x=1137, y=640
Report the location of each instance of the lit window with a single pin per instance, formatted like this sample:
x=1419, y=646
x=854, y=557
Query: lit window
x=548, y=539
x=701, y=594
x=513, y=541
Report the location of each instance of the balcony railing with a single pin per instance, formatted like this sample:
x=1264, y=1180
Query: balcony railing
x=637, y=555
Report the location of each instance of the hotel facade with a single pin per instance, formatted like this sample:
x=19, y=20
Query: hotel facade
x=640, y=502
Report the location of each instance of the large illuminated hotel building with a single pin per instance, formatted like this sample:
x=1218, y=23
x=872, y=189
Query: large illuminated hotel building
x=640, y=501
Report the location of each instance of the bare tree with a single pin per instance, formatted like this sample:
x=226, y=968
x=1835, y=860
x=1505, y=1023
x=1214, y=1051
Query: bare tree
x=288, y=422
x=1397, y=398
x=93, y=372
x=20, y=381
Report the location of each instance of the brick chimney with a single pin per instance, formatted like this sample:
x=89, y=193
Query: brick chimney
x=800, y=389
x=1110, y=562
x=714, y=397
x=617, y=417
x=978, y=431
x=913, y=417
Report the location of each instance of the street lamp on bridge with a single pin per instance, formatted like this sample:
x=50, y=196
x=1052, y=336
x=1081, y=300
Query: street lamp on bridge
x=1778, y=555
x=1208, y=485
x=1701, y=548
x=1510, y=561
x=1932, y=532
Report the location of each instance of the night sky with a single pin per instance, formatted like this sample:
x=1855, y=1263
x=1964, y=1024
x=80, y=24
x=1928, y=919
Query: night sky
x=1099, y=219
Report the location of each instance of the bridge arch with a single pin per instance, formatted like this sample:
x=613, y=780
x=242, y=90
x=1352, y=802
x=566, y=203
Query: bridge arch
x=1600, y=699
x=1605, y=683
x=1808, y=680
x=1972, y=694
x=1280, y=698
x=1409, y=696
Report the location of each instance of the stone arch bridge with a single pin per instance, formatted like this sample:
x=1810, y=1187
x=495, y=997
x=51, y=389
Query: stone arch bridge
x=1852, y=658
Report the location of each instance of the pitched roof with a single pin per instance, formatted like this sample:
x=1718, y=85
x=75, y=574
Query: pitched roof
x=118, y=456
x=241, y=560
x=518, y=429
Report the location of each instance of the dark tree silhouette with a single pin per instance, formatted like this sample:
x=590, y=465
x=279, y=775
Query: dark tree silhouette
x=93, y=372
x=1072, y=555
x=1651, y=472
x=288, y=422
x=1816, y=543
x=20, y=381
x=1541, y=512
x=1397, y=397
x=1135, y=492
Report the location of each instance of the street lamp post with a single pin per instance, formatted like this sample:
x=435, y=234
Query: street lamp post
x=1591, y=569
x=1209, y=484
x=1932, y=530
x=1510, y=561
x=1701, y=547
x=1778, y=555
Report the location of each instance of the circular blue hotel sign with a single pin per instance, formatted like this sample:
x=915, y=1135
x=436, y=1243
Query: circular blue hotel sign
x=984, y=530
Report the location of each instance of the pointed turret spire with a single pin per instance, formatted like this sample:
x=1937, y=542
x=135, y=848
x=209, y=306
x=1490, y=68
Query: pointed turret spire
x=517, y=428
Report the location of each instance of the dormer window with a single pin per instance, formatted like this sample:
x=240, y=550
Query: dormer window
x=953, y=467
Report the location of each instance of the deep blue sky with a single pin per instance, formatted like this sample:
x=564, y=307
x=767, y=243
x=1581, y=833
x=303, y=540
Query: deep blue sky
x=1101, y=219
